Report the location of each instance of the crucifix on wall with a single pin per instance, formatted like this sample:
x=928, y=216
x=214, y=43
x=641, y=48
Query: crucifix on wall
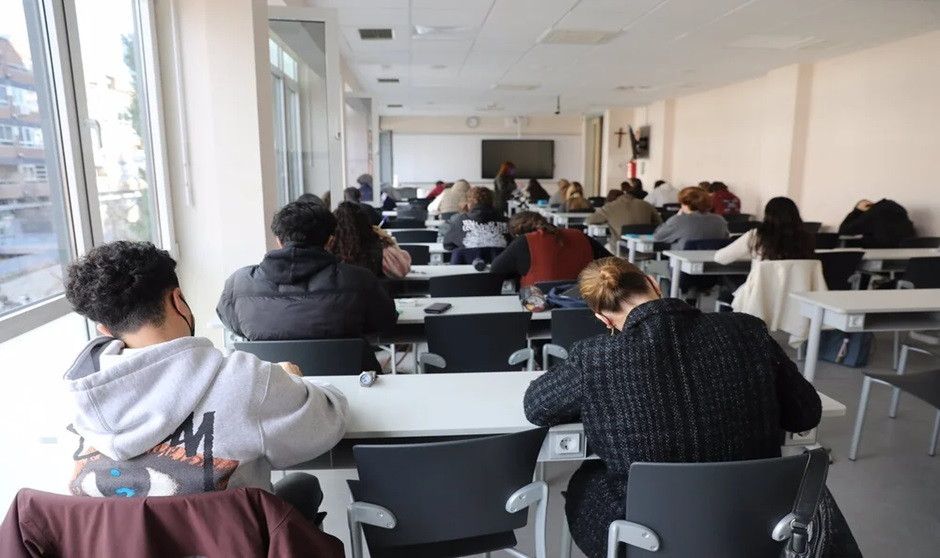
x=620, y=133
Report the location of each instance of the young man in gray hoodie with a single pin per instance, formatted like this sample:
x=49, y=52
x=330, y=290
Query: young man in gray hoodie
x=161, y=412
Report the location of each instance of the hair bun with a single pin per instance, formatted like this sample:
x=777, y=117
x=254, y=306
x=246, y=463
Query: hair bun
x=610, y=276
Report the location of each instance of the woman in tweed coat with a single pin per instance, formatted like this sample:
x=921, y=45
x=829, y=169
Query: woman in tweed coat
x=671, y=384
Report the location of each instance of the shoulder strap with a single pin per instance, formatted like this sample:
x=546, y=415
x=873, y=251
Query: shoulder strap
x=807, y=500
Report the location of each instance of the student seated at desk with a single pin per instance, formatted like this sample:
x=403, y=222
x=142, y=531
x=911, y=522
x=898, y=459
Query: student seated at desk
x=625, y=210
x=781, y=236
x=480, y=227
x=663, y=193
x=723, y=201
x=534, y=192
x=693, y=222
x=558, y=197
x=543, y=252
x=883, y=224
x=352, y=195
x=357, y=242
x=575, y=202
x=671, y=384
x=452, y=200
x=301, y=291
x=161, y=412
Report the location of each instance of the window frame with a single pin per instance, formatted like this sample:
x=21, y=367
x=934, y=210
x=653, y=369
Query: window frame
x=57, y=23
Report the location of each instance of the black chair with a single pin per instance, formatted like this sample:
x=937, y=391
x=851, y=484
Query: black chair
x=921, y=242
x=706, y=244
x=702, y=282
x=314, y=357
x=827, y=241
x=420, y=255
x=415, y=236
x=465, y=256
x=738, y=217
x=477, y=342
x=597, y=201
x=841, y=269
x=474, y=284
x=739, y=509
x=546, y=286
x=638, y=229
x=447, y=499
x=812, y=227
x=399, y=223
x=741, y=227
x=570, y=325
x=923, y=385
x=919, y=273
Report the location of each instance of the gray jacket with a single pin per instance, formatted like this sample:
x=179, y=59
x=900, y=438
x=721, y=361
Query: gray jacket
x=691, y=226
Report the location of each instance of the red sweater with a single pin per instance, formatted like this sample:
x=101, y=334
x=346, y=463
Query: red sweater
x=725, y=203
x=551, y=261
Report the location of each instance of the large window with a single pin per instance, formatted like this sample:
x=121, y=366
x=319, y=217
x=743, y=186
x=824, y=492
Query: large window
x=287, y=141
x=76, y=144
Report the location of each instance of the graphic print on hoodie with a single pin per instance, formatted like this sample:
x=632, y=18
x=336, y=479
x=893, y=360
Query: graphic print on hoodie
x=180, y=418
x=172, y=467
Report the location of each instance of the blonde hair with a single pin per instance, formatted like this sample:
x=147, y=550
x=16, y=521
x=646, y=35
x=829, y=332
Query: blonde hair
x=575, y=189
x=563, y=186
x=607, y=283
x=577, y=202
x=696, y=198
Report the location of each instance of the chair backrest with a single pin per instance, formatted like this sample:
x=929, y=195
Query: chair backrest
x=742, y=226
x=415, y=236
x=827, y=241
x=638, y=229
x=474, y=284
x=464, y=256
x=446, y=491
x=732, y=217
x=420, y=255
x=714, y=509
x=597, y=201
x=924, y=273
x=570, y=325
x=546, y=286
x=838, y=267
x=812, y=227
x=406, y=192
x=315, y=357
x=476, y=342
x=706, y=244
x=400, y=223
x=921, y=242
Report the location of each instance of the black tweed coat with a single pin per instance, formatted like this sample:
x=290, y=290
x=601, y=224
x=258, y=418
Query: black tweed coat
x=676, y=385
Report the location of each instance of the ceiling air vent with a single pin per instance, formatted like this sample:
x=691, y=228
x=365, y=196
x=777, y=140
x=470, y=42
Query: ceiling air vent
x=376, y=34
x=394, y=106
x=577, y=37
x=389, y=80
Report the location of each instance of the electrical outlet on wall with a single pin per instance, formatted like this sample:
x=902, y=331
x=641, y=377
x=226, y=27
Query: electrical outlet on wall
x=566, y=443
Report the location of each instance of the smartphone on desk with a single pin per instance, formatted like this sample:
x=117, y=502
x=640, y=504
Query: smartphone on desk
x=438, y=308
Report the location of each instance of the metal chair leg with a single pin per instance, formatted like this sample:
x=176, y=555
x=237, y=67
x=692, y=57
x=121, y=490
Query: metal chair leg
x=860, y=418
x=897, y=346
x=932, y=451
x=896, y=393
x=566, y=541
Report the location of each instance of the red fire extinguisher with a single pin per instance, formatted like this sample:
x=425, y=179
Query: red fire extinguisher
x=631, y=169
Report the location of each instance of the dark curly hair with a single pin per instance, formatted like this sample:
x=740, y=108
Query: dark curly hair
x=305, y=224
x=525, y=222
x=122, y=285
x=354, y=235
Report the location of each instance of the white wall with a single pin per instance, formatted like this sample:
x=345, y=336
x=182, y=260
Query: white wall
x=616, y=159
x=356, y=136
x=826, y=134
x=430, y=148
x=229, y=122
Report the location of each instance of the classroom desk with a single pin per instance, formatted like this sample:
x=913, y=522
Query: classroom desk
x=434, y=223
x=465, y=404
x=412, y=309
x=562, y=219
x=639, y=244
x=390, y=213
x=436, y=250
x=702, y=262
x=426, y=272
x=854, y=311
x=598, y=231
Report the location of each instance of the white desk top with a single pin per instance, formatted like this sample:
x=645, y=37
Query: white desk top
x=434, y=223
x=433, y=247
x=449, y=404
x=391, y=213
x=871, y=302
x=705, y=256
x=576, y=215
x=413, y=312
x=425, y=272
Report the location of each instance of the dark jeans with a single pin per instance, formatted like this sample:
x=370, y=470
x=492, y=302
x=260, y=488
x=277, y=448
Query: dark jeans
x=302, y=491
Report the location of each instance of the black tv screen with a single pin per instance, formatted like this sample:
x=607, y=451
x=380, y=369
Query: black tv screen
x=533, y=158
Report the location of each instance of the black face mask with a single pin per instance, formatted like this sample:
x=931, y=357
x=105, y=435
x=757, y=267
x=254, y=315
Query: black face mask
x=192, y=325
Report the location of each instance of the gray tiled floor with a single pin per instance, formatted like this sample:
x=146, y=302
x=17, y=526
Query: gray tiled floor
x=890, y=496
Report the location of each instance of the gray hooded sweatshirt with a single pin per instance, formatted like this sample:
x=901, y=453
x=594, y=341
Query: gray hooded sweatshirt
x=181, y=418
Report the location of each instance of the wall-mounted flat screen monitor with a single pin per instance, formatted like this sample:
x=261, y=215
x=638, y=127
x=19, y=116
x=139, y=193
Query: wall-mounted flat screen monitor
x=532, y=158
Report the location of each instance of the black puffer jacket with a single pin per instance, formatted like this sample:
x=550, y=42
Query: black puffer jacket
x=304, y=293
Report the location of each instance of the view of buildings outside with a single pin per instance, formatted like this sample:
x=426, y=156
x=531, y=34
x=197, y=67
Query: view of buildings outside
x=34, y=240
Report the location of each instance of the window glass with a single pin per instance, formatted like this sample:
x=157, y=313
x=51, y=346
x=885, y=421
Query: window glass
x=35, y=242
x=113, y=70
